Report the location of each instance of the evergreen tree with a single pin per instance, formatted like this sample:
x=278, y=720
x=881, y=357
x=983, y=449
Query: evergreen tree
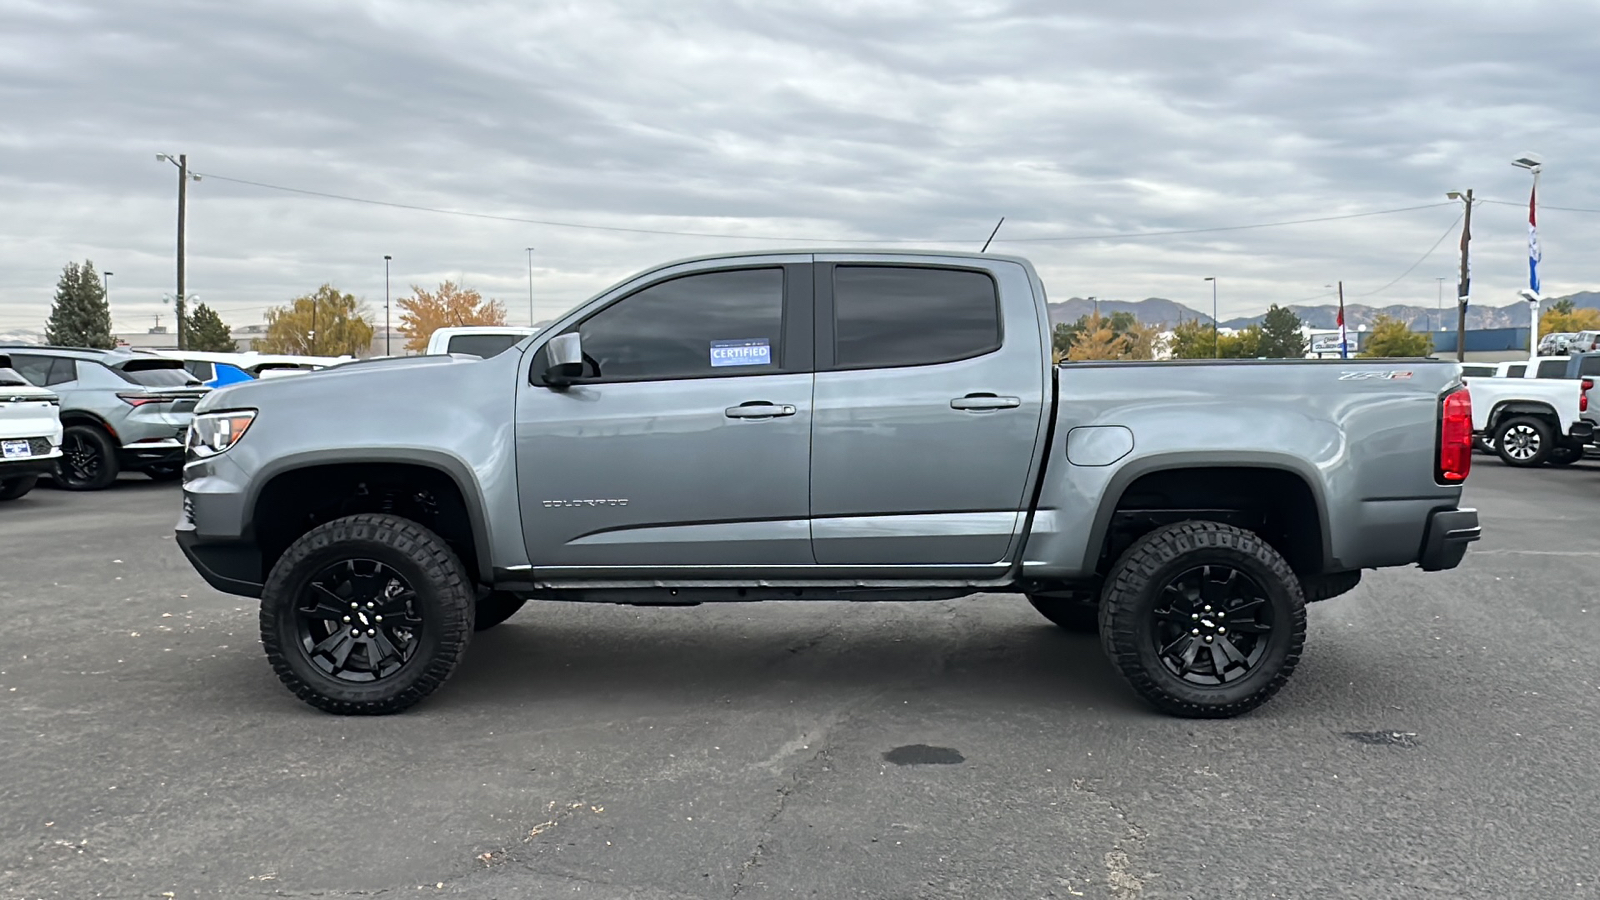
x=80, y=315
x=1280, y=334
x=208, y=332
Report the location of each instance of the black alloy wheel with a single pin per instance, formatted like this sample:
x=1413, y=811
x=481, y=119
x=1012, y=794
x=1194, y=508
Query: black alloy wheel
x=1213, y=625
x=88, y=459
x=357, y=621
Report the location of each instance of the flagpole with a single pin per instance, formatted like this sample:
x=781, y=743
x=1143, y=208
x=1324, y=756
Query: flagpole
x=1344, y=334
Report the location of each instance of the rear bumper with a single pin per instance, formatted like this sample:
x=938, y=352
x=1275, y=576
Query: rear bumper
x=1446, y=539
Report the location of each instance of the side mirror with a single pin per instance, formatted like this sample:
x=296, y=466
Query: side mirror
x=563, y=359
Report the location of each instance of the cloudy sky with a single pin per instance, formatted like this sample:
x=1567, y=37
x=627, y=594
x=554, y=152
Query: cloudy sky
x=919, y=122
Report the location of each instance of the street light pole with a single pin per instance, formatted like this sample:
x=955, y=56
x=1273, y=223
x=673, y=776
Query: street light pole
x=1464, y=289
x=530, y=287
x=1438, y=306
x=1534, y=165
x=1216, y=347
x=386, y=259
x=182, y=162
x=105, y=280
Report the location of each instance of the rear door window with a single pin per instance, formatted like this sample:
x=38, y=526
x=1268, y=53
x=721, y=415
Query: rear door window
x=1589, y=366
x=1516, y=371
x=886, y=316
x=1552, y=368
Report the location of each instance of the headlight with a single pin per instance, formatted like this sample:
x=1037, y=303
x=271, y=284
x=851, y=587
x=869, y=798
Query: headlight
x=213, y=433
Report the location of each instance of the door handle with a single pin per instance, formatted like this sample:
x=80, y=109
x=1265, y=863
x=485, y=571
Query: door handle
x=758, y=409
x=985, y=401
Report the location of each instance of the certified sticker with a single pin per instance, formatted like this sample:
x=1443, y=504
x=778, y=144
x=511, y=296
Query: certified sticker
x=749, y=352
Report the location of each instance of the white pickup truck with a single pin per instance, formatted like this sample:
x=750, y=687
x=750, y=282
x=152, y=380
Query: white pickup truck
x=1531, y=421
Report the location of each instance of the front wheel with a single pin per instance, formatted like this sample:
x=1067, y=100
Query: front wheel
x=366, y=615
x=1204, y=620
x=1524, y=441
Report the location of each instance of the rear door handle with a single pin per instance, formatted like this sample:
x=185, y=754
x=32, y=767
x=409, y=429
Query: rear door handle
x=985, y=401
x=758, y=409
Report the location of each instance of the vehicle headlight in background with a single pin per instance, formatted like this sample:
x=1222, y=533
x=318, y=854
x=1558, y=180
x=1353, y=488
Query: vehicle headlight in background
x=213, y=433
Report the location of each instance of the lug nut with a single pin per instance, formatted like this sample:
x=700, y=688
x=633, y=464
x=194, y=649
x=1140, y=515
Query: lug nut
x=1208, y=638
x=347, y=618
x=1221, y=614
x=371, y=632
x=1194, y=616
x=378, y=618
x=355, y=632
x=1196, y=631
x=369, y=604
x=1208, y=607
x=1222, y=631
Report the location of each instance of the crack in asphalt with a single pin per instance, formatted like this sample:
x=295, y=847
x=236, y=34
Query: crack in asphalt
x=1121, y=879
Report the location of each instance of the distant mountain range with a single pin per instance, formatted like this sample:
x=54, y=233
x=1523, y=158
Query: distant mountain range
x=1167, y=313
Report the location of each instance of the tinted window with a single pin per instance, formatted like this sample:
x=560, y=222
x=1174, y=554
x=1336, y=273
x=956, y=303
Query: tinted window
x=34, y=368
x=200, y=369
x=718, y=323
x=1552, y=368
x=1477, y=371
x=892, y=316
x=163, y=373
x=484, y=345
x=1589, y=366
x=1516, y=371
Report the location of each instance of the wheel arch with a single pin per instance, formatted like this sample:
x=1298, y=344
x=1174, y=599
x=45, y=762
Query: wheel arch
x=434, y=469
x=1312, y=558
x=1536, y=408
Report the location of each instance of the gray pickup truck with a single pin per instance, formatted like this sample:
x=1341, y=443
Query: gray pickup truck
x=820, y=426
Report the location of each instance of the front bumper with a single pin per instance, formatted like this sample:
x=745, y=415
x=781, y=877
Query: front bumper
x=33, y=465
x=1446, y=539
x=232, y=567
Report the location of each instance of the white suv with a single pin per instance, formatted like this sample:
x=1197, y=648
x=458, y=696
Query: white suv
x=30, y=432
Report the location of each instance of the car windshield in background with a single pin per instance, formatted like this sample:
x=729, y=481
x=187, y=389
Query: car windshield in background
x=10, y=378
x=157, y=375
x=484, y=345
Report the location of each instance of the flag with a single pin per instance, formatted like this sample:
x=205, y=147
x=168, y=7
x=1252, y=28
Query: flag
x=1533, y=242
x=1344, y=341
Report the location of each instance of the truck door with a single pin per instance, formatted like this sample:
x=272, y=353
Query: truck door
x=930, y=393
x=686, y=443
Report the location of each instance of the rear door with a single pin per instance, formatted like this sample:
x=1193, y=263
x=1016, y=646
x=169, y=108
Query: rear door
x=930, y=393
x=684, y=451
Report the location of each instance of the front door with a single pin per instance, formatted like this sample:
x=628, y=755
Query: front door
x=684, y=450
x=929, y=399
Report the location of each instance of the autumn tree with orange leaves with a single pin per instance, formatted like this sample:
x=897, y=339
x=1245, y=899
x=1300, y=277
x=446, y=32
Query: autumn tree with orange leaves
x=425, y=312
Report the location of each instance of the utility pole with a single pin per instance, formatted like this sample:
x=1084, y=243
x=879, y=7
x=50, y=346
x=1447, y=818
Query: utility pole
x=1464, y=289
x=386, y=351
x=182, y=162
x=1438, y=306
x=530, y=287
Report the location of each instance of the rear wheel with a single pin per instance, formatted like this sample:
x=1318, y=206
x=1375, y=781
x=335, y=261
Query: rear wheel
x=1204, y=620
x=12, y=488
x=1524, y=441
x=366, y=615
x=88, y=459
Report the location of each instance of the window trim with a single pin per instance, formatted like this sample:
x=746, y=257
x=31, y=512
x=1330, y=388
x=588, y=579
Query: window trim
x=827, y=315
x=795, y=339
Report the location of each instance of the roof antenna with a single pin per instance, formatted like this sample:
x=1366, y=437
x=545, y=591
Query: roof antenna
x=992, y=234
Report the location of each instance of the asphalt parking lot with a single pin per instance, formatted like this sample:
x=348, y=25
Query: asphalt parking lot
x=1438, y=740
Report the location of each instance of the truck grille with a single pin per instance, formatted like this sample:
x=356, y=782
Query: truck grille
x=39, y=446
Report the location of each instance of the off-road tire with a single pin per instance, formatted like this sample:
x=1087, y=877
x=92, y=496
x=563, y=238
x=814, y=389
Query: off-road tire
x=495, y=607
x=12, y=488
x=1542, y=432
x=96, y=441
x=1134, y=589
x=445, y=599
x=1077, y=616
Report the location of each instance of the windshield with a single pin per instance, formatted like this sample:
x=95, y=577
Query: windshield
x=484, y=345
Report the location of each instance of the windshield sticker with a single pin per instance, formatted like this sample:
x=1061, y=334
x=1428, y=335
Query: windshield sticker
x=752, y=352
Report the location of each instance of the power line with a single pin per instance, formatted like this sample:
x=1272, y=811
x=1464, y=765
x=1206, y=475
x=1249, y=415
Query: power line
x=789, y=239
x=1542, y=207
x=1419, y=261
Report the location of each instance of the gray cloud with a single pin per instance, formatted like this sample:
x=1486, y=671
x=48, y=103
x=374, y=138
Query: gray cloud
x=826, y=120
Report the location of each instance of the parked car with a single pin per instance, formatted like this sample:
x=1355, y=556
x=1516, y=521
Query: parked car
x=30, y=432
x=482, y=341
x=1584, y=342
x=1583, y=367
x=121, y=409
x=213, y=369
x=1555, y=343
x=1531, y=421
x=819, y=427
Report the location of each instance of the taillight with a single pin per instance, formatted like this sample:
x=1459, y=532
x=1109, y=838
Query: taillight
x=1455, y=437
x=143, y=399
x=1585, y=386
